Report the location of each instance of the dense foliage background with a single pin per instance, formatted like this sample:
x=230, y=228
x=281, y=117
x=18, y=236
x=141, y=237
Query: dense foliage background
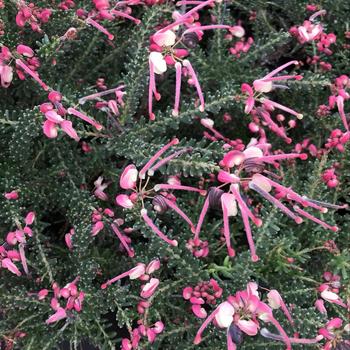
x=54, y=177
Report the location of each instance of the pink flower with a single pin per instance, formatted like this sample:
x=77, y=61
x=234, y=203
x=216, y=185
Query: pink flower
x=60, y=314
x=134, y=273
x=149, y=288
x=129, y=177
x=13, y=195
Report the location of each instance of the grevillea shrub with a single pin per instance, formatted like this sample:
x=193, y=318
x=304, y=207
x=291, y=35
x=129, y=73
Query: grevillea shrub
x=174, y=174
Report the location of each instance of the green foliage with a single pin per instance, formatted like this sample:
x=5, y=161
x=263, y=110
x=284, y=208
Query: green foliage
x=55, y=177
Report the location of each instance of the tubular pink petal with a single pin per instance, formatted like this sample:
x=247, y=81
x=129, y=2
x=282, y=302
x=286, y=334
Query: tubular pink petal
x=23, y=258
x=100, y=28
x=156, y=230
x=276, y=301
x=274, y=127
x=186, y=15
x=188, y=65
x=67, y=127
x=178, y=69
x=134, y=273
x=201, y=218
x=283, y=77
x=208, y=27
x=173, y=206
x=230, y=344
x=85, y=118
x=281, y=107
x=167, y=160
x=227, y=197
x=125, y=15
x=340, y=105
x=34, y=75
x=130, y=252
x=249, y=235
x=275, y=202
x=284, y=335
x=243, y=206
x=314, y=219
x=151, y=88
x=60, y=314
x=179, y=187
x=267, y=334
x=143, y=171
x=198, y=337
x=277, y=70
x=271, y=159
x=97, y=95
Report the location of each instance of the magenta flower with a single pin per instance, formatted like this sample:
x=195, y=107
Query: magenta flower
x=132, y=180
x=249, y=174
x=244, y=311
x=164, y=52
x=68, y=295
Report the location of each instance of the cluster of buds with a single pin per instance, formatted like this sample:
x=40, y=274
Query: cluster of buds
x=249, y=174
x=55, y=112
x=325, y=66
x=337, y=139
x=241, y=46
x=242, y=313
x=306, y=145
x=204, y=293
x=165, y=51
x=17, y=238
x=329, y=177
x=69, y=294
x=32, y=15
x=263, y=112
x=132, y=180
x=199, y=248
x=26, y=63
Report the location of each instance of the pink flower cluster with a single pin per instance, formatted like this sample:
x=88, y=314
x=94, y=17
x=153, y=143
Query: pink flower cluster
x=142, y=273
x=329, y=177
x=164, y=52
x=55, y=112
x=262, y=114
x=17, y=238
x=244, y=311
x=132, y=180
x=32, y=15
x=203, y=293
x=337, y=140
x=26, y=64
x=329, y=290
x=69, y=294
